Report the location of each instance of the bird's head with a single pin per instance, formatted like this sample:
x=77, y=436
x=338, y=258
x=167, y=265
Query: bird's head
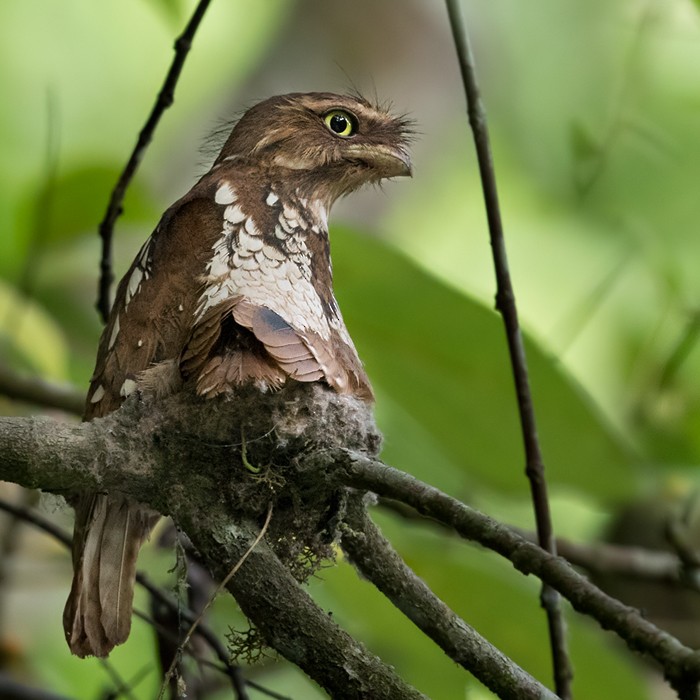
x=333, y=144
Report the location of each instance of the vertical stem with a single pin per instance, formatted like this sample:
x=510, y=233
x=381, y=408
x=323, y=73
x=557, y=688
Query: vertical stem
x=505, y=304
x=114, y=209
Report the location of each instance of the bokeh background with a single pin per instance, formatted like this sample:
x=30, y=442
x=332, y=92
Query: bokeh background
x=594, y=112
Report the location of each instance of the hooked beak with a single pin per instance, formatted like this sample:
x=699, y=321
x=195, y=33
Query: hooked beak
x=388, y=161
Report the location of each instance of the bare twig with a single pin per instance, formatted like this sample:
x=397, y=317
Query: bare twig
x=167, y=632
x=122, y=687
x=505, y=303
x=219, y=588
x=267, y=692
x=238, y=682
x=680, y=536
x=11, y=690
x=638, y=563
x=681, y=664
x=379, y=562
x=10, y=539
x=114, y=209
x=684, y=346
x=31, y=516
x=225, y=669
x=599, y=558
x=584, y=182
x=42, y=393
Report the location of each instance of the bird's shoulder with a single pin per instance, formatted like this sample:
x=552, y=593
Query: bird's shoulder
x=155, y=301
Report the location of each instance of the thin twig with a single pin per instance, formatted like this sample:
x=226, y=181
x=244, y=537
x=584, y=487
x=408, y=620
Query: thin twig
x=238, y=682
x=168, y=633
x=374, y=557
x=213, y=597
x=40, y=392
x=165, y=99
x=10, y=688
x=34, y=518
x=39, y=521
x=585, y=182
x=505, y=304
x=225, y=667
x=600, y=558
x=121, y=686
x=266, y=691
x=681, y=350
x=638, y=563
x=10, y=539
x=681, y=664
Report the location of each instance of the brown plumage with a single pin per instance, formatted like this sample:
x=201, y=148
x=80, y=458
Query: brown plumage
x=234, y=286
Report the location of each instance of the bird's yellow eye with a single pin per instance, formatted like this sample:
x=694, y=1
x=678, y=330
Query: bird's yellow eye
x=340, y=123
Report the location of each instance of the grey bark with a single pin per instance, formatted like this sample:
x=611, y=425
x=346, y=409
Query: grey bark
x=183, y=457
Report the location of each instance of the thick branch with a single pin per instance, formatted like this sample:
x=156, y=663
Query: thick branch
x=182, y=456
x=378, y=561
x=290, y=620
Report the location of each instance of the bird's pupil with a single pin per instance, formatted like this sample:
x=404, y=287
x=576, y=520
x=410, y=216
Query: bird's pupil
x=338, y=123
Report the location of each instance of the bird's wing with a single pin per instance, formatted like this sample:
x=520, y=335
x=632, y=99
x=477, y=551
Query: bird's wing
x=266, y=310
x=156, y=300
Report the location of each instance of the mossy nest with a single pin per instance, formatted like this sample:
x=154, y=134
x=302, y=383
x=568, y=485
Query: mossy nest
x=252, y=450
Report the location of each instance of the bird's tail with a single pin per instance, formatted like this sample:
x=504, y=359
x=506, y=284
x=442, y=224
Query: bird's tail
x=109, y=531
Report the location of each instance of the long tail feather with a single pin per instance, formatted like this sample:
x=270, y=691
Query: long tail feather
x=109, y=532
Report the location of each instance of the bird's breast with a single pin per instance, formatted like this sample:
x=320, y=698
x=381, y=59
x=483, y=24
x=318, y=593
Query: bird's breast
x=267, y=254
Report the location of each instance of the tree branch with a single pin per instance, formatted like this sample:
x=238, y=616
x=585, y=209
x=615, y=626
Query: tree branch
x=114, y=209
x=681, y=664
x=32, y=517
x=181, y=456
x=375, y=558
x=37, y=391
x=11, y=690
x=632, y=562
x=290, y=620
x=505, y=303
x=600, y=558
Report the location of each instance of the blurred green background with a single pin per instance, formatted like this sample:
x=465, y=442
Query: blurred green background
x=594, y=112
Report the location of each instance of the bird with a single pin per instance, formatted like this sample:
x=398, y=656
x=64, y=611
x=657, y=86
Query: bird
x=234, y=287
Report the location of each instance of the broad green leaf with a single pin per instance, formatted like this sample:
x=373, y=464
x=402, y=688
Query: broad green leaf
x=442, y=357
x=76, y=203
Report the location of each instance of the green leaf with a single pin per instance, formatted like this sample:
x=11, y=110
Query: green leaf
x=441, y=356
x=29, y=337
x=173, y=10
x=583, y=145
x=77, y=201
